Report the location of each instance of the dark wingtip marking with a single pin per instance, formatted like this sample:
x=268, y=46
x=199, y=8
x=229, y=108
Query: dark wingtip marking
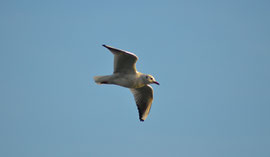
x=108, y=47
x=104, y=82
x=141, y=120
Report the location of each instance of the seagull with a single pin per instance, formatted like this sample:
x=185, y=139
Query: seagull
x=126, y=75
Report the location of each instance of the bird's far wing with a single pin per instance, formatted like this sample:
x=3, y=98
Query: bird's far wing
x=124, y=62
x=143, y=97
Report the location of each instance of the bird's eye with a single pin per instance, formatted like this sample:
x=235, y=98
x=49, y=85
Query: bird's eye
x=151, y=78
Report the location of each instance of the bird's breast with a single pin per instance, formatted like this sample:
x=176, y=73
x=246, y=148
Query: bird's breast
x=126, y=80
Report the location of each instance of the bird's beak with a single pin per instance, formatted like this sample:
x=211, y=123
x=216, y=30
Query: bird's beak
x=156, y=82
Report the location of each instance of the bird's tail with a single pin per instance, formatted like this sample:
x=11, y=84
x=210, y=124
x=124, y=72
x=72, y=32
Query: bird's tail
x=102, y=79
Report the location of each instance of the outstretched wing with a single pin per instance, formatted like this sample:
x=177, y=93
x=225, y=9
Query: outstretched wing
x=144, y=98
x=124, y=62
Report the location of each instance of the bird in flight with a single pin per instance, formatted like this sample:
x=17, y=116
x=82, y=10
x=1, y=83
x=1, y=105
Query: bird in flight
x=126, y=75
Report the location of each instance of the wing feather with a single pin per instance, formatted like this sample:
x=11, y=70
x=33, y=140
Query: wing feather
x=144, y=98
x=124, y=62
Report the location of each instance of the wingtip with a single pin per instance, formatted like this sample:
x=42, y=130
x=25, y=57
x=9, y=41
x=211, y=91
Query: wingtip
x=141, y=119
x=108, y=47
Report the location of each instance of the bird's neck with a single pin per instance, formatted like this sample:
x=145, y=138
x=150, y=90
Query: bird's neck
x=141, y=81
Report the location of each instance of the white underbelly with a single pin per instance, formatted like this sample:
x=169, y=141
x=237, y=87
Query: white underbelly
x=128, y=81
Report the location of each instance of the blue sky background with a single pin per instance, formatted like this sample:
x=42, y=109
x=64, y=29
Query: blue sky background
x=212, y=59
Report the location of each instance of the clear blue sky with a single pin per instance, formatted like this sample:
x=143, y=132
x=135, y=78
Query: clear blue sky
x=212, y=59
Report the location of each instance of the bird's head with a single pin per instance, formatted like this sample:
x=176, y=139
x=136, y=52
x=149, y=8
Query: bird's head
x=149, y=79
